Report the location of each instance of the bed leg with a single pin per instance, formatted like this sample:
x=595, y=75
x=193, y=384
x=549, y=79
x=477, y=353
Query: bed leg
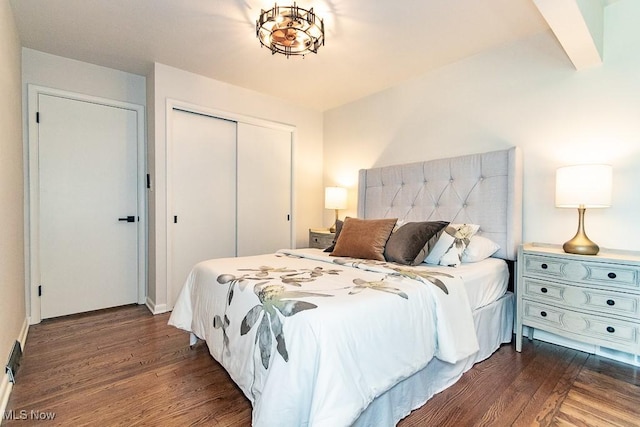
x=193, y=339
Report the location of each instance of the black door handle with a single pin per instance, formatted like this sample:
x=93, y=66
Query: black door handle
x=130, y=218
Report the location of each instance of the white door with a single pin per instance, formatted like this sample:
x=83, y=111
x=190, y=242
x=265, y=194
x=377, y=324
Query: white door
x=264, y=189
x=87, y=182
x=203, y=193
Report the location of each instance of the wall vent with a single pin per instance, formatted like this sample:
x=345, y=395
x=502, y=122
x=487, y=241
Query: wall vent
x=13, y=364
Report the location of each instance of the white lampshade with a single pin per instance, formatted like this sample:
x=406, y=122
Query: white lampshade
x=587, y=186
x=335, y=198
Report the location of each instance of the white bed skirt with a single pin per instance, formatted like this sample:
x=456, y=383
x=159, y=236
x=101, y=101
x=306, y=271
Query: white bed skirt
x=494, y=326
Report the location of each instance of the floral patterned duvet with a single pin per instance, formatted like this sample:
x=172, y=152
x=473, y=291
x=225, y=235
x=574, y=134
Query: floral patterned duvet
x=312, y=339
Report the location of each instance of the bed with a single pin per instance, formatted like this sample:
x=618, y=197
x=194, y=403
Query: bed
x=321, y=340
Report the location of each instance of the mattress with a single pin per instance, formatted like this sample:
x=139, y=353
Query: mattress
x=485, y=281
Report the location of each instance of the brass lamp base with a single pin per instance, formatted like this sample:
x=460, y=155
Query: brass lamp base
x=332, y=229
x=581, y=244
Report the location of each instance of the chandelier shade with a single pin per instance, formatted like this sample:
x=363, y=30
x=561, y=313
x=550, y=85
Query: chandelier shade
x=290, y=30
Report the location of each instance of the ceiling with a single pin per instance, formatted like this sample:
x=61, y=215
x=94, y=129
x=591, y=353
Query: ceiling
x=370, y=45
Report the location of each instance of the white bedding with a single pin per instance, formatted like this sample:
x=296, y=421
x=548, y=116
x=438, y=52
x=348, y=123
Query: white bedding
x=339, y=332
x=485, y=281
x=494, y=326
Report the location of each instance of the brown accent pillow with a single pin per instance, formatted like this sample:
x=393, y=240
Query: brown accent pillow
x=364, y=238
x=335, y=238
x=409, y=244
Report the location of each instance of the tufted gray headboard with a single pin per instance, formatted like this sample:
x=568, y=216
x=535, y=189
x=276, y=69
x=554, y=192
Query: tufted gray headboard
x=484, y=189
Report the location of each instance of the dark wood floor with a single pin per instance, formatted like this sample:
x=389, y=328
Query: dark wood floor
x=126, y=367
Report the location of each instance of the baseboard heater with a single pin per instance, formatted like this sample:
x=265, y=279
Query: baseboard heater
x=13, y=364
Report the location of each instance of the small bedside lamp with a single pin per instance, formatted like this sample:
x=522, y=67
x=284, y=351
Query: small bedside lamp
x=335, y=198
x=583, y=186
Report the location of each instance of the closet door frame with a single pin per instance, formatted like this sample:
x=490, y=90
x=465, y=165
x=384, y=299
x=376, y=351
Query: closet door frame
x=174, y=104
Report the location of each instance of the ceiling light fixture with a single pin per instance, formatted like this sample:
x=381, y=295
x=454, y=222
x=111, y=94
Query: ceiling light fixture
x=290, y=30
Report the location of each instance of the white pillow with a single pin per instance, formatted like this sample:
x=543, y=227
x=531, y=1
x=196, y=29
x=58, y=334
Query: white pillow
x=451, y=244
x=479, y=248
x=399, y=223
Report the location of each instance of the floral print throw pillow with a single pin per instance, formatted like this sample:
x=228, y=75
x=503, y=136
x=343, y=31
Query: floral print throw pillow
x=451, y=244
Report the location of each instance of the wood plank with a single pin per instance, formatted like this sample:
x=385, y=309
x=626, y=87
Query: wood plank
x=525, y=396
x=124, y=366
x=505, y=402
x=545, y=404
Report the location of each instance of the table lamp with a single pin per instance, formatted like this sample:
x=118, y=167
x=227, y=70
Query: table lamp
x=335, y=198
x=583, y=186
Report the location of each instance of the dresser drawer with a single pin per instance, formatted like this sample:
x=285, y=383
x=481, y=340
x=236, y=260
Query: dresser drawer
x=599, y=330
x=594, y=273
x=603, y=301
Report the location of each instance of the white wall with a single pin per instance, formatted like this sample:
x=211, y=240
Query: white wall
x=13, y=320
x=525, y=94
x=172, y=83
x=62, y=73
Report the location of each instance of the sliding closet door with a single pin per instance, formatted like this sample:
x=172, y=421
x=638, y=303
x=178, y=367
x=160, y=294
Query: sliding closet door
x=203, y=193
x=264, y=189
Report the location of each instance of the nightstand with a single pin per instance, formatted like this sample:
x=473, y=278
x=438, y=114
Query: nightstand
x=594, y=299
x=320, y=238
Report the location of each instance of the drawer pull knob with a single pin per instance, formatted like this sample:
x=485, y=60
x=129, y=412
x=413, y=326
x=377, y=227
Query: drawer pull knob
x=611, y=329
x=544, y=266
x=612, y=275
x=543, y=290
x=543, y=313
x=611, y=302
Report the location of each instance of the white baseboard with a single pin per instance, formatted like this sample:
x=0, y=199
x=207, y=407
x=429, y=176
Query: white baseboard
x=156, y=309
x=23, y=333
x=5, y=385
x=5, y=392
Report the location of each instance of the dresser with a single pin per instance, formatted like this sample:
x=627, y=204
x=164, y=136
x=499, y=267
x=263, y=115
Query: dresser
x=592, y=299
x=320, y=238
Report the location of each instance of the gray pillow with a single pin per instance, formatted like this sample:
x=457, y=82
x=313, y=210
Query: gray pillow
x=410, y=244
